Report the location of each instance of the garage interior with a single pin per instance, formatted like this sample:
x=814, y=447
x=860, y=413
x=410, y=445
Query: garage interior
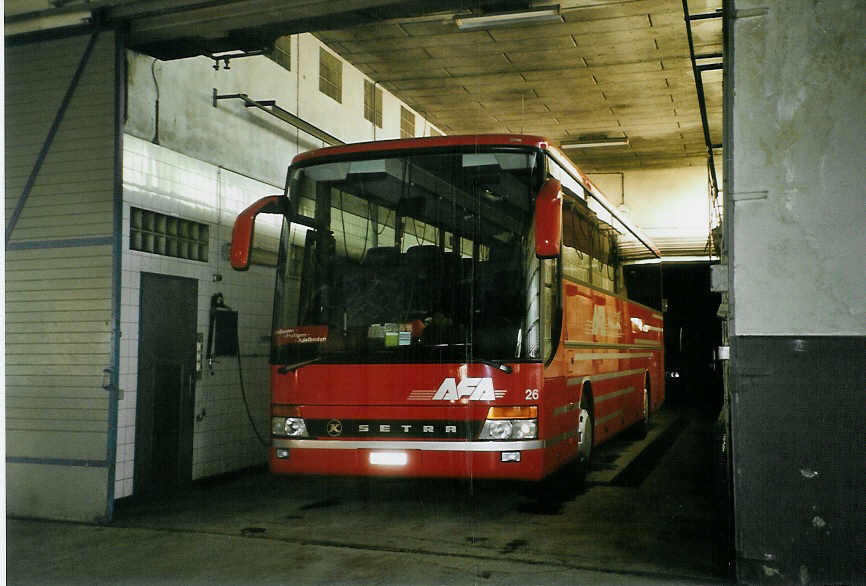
x=136, y=130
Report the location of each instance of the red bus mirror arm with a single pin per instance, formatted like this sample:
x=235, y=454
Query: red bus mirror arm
x=242, y=233
x=548, y=219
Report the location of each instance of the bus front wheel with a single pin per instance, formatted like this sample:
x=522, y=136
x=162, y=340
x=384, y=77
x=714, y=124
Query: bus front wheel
x=584, y=442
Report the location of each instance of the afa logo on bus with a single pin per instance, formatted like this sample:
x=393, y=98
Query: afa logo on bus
x=476, y=389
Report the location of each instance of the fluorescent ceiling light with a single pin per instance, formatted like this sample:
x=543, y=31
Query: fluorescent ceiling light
x=443, y=17
x=532, y=16
x=595, y=142
x=672, y=259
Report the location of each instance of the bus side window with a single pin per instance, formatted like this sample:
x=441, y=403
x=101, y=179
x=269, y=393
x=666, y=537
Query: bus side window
x=576, y=241
x=603, y=258
x=589, y=248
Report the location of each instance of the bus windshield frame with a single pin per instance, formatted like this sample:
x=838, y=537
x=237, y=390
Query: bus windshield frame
x=417, y=256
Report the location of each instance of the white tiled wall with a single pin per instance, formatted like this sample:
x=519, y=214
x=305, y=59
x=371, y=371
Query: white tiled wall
x=161, y=180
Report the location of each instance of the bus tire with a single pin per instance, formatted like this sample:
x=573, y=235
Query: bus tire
x=586, y=432
x=641, y=428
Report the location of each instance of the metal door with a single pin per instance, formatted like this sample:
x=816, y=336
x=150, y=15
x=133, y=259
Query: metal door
x=166, y=383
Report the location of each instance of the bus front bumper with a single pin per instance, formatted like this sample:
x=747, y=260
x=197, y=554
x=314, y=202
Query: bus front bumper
x=519, y=460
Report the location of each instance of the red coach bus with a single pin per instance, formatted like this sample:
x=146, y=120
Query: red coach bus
x=453, y=307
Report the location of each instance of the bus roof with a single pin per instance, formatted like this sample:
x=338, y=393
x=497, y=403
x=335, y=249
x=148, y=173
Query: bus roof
x=505, y=140
x=422, y=143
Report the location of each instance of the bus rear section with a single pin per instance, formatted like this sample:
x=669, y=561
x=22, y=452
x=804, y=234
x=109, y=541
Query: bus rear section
x=424, y=315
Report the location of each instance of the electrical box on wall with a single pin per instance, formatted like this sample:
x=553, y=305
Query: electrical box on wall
x=719, y=278
x=225, y=333
x=222, y=336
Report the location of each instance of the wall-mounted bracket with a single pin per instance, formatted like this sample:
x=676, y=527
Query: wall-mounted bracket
x=227, y=56
x=271, y=107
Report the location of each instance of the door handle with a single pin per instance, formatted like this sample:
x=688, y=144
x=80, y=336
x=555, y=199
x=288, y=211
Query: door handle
x=106, y=379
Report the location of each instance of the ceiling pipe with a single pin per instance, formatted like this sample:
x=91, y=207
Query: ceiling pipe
x=699, y=86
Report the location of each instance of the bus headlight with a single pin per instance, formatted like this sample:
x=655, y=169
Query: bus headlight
x=288, y=427
x=497, y=429
x=524, y=429
x=505, y=429
x=509, y=423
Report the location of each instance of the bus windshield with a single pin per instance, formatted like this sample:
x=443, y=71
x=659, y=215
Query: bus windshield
x=411, y=257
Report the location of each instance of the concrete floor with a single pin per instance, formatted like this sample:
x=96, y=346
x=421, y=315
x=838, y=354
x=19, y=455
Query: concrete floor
x=647, y=516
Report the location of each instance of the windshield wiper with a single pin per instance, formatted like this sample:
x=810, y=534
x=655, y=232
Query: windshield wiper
x=286, y=368
x=498, y=364
x=506, y=368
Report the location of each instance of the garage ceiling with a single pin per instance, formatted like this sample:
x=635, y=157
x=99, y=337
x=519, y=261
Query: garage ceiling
x=609, y=69
x=612, y=69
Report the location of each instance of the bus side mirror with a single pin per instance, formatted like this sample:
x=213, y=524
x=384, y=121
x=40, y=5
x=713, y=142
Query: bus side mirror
x=548, y=219
x=242, y=233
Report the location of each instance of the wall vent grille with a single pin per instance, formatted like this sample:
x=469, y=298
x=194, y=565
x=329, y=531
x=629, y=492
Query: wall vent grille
x=330, y=75
x=167, y=235
x=407, y=123
x=373, y=103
